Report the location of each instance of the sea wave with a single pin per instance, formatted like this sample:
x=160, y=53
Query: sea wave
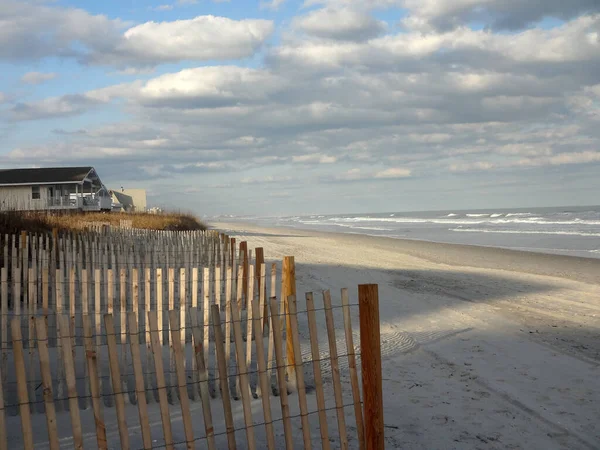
x=535, y=220
x=557, y=232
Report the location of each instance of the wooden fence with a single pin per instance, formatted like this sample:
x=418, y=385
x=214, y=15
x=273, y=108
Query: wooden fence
x=85, y=335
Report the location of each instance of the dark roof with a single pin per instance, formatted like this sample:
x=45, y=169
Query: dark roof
x=44, y=175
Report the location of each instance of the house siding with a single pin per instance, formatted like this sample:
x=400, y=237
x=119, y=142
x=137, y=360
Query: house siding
x=18, y=198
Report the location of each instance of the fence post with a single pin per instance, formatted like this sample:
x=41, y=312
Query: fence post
x=288, y=284
x=370, y=347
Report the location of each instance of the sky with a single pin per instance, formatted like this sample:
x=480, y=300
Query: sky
x=281, y=107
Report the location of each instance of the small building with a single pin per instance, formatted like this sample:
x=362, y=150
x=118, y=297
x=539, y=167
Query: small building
x=53, y=188
x=130, y=200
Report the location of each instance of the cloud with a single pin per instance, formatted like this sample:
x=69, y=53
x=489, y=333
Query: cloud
x=358, y=174
x=210, y=87
x=271, y=4
x=162, y=8
x=314, y=158
x=37, y=77
x=340, y=24
x=67, y=105
x=497, y=14
x=393, y=172
x=34, y=31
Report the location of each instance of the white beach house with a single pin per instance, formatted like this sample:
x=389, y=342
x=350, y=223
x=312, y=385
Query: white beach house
x=54, y=188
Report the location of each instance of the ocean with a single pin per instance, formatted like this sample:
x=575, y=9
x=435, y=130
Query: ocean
x=566, y=230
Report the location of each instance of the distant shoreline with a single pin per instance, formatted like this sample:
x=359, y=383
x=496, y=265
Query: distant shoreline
x=486, y=257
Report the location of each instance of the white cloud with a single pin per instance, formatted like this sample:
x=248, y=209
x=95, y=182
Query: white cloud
x=33, y=31
x=210, y=86
x=201, y=38
x=37, y=77
x=271, y=4
x=394, y=172
x=187, y=2
x=162, y=8
x=340, y=23
x=314, y=158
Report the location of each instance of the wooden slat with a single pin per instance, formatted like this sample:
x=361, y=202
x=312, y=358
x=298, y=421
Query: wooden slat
x=19, y=361
x=84, y=312
x=182, y=309
x=370, y=346
x=299, y=372
x=160, y=379
x=335, y=370
x=218, y=286
x=3, y=434
x=59, y=354
x=171, y=293
x=140, y=388
x=135, y=293
x=195, y=385
x=223, y=378
x=249, y=321
x=316, y=356
x=95, y=386
x=4, y=317
x=48, y=394
x=279, y=362
x=260, y=273
x=228, y=293
x=65, y=330
x=206, y=311
x=45, y=292
x=270, y=353
x=353, y=372
x=203, y=378
x=72, y=307
x=181, y=379
x=31, y=299
x=239, y=299
x=262, y=295
x=110, y=291
x=98, y=305
x=288, y=287
x=159, y=304
x=123, y=331
x=262, y=372
x=115, y=376
x=243, y=372
x=147, y=308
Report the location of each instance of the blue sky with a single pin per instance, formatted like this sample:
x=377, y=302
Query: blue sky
x=310, y=106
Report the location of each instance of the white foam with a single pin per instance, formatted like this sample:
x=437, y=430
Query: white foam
x=561, y=233
x=535, y=220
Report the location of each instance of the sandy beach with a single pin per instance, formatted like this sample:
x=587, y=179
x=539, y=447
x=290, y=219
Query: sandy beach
x=482, y=347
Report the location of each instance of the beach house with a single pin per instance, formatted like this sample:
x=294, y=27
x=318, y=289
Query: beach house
x=53, y=188
x=130, y=200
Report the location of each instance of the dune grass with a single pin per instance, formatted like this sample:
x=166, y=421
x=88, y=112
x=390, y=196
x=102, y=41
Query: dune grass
x=40, y=222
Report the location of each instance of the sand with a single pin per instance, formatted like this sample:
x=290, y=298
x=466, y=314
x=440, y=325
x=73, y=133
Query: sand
x=482, y=347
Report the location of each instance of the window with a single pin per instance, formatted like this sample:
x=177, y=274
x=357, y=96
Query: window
x=35, y=192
